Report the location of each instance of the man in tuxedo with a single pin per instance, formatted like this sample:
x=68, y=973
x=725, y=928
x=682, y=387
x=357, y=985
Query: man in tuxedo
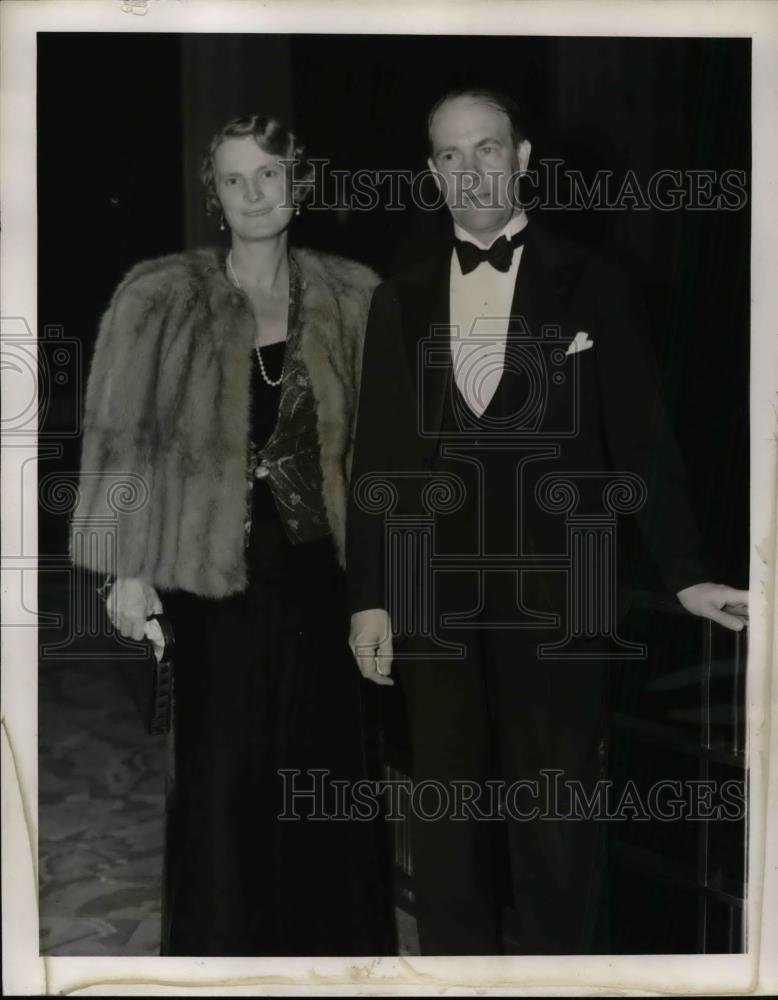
x=512, y=371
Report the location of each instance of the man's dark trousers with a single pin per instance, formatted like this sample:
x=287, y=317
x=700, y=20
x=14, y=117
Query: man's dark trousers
x=501, y=713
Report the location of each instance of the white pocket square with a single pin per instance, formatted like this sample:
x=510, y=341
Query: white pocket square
x=580, y=343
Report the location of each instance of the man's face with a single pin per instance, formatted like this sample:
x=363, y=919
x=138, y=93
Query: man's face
x=477, y=162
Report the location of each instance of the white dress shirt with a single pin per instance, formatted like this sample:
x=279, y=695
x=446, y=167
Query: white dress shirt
x=480, y=307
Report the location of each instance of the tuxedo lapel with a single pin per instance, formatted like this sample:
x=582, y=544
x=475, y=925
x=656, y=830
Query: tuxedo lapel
x=541, y=290
x=538, y=324
x=540, y=300
x=430, y=333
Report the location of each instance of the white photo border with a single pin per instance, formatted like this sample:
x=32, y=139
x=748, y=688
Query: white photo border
x=25, y=971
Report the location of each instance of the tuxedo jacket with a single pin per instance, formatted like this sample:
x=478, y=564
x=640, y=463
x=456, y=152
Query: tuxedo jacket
x=592, y=414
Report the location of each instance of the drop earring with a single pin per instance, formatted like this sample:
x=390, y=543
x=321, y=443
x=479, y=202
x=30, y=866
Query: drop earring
x=297, y=210
x=222, y=225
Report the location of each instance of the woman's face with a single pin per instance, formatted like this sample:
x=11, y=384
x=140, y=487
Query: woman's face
x=253, y=189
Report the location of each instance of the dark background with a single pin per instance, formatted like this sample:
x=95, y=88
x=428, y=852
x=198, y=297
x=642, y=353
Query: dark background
x=123, y=120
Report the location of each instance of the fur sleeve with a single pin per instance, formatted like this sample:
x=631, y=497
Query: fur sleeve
x=355, y=292
x=336, y=299
x=353, y=285
x=363, y=294
x=120, y=429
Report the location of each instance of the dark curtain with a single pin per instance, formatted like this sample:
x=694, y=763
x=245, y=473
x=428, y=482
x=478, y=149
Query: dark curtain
x=123, y=121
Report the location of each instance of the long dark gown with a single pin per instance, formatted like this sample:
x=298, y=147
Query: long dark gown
x=265, y=681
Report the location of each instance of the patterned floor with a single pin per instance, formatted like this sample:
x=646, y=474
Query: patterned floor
x=101, y=810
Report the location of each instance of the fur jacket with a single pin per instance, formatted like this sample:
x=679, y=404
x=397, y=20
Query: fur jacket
x=162, y=492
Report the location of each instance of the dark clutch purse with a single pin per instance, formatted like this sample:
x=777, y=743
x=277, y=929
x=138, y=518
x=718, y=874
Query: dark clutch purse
x=151, y=680
x=156, y=704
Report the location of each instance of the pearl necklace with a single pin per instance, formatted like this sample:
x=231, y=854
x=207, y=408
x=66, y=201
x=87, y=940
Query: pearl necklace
x=274, y=382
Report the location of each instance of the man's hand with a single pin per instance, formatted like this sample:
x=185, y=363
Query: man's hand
x=709, y=599
x=129, y=604
x=371, y=643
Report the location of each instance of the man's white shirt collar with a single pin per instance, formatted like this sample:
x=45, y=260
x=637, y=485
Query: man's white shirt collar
x=514, y=225
x=479, y=311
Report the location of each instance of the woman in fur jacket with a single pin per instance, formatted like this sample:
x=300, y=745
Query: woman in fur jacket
x=223, y=390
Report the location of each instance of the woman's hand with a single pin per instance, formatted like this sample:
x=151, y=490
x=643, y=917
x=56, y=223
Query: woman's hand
x=129, y=604
x=709, y=599
x=371, y=643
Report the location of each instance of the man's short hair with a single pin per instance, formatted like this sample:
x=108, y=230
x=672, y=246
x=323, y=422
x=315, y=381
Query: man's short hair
x=485, y=95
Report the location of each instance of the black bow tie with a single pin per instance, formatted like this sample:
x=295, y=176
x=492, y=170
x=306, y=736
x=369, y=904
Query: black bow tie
x=499, y=254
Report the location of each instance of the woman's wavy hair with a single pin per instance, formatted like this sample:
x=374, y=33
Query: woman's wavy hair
x=271, y=135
